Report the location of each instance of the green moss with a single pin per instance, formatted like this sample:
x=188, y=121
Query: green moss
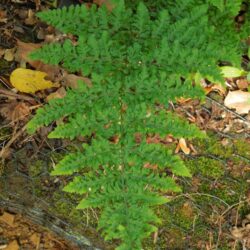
x=36, y=168
x=242, y=147
x=4, y=66
x=206, y=166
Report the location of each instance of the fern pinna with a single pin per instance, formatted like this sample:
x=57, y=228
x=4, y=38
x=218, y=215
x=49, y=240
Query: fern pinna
x=139, y=57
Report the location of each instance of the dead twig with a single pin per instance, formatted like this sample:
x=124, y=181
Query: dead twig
x=6, y=93
x=9, y=143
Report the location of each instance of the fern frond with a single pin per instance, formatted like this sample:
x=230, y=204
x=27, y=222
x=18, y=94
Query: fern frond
x=139, y=56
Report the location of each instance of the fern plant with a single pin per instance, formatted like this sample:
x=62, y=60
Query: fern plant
x=139, y=57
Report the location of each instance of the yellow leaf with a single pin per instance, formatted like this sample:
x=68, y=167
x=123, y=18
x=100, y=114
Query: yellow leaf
x=231, y=72
x=29, y=81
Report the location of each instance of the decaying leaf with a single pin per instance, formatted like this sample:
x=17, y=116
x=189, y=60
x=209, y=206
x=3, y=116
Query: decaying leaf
x=183, y=146
x=8, y=218
x=9, y=55
x=242, y=83
x=35, y=239
x=238, y=100
x=60, y=93
x=217, y=88
x=13, y=246
x=15, y=111
x=71, y=80
x=29, y=81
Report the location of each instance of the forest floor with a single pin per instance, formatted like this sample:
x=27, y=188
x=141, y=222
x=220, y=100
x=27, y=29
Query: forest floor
x=213, y=212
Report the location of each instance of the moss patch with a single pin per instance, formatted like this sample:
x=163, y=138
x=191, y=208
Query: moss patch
x=206, y=166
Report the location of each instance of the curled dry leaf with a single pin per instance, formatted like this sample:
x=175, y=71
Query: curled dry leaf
x=183, y=146
x=238, y=100
x=29, y=81
x=215, y=87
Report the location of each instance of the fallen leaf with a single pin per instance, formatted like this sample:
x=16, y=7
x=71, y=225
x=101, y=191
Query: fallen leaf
x=238, y=100
x=12, y=246
x=215, y=87
x=71, y=80
x=23, y=51
x=242, y=83
x=60, y=93
x=22, y=56
x=108, y=3
x=177, y=150
x=182, y=100
x=231, y=72
x=35, y=239
x=31, y=19
x=9, y=54
x=150, y=166
x=3, y=16
x=29, y=81
x=15, y=111
x=8, y=218
x=183, y=146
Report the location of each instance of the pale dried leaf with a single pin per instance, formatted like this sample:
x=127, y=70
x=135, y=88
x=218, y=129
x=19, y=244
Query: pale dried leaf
x=8, y=218
x=12, y=246
x=238, y=100
x=35, y=239
x=9, y=54
x=183, y=146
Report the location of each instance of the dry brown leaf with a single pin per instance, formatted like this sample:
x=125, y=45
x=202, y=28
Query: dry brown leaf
x=31, y=19
x=8, y=218
x=242, y=83
x=238, y=100
x=71, y=80
x=15, y=111
x=35, y=239
x=3, y=16
x=12, y=246
x=215, y=87
x=182, y=100
x=60, y=93
x=106, y=2
x=183, y=146
x=150, y=166
x=22, y=56
x=24, y=49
